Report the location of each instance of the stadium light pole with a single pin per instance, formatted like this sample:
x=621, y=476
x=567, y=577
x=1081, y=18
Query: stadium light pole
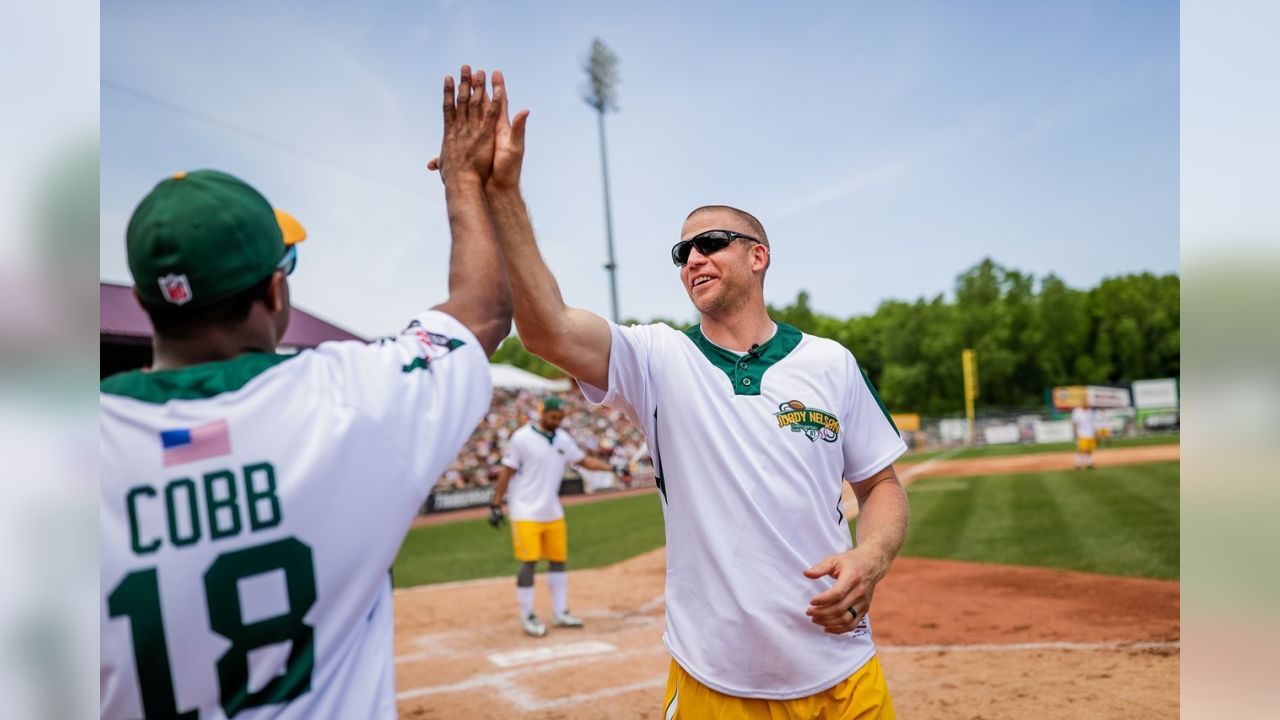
x=601, y=94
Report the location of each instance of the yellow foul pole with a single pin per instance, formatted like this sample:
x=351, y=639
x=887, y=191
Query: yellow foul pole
x=969, y=362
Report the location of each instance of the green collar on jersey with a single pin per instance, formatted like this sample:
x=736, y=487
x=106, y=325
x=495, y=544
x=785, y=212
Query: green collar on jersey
x=747, y=371
x=551, y=437
x=196, y=382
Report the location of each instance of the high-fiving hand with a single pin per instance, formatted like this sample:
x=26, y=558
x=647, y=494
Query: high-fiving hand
x=470, y=125
x=509, y=148
x=472, y=119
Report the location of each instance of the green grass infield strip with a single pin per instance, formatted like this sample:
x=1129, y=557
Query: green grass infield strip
x=1119, y=520
x=1002, y=450
x=600, y=533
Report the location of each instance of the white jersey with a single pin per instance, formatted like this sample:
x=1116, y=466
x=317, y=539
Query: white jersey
x=250, y=513
x=539, y=460
x=1085, y=422
x=749, y=453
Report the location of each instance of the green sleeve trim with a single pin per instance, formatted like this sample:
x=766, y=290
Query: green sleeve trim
x=871, y=386
x=746, y=372
x=197, y=382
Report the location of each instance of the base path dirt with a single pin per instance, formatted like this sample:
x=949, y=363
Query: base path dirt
x=957, y=639
x=1035, y=462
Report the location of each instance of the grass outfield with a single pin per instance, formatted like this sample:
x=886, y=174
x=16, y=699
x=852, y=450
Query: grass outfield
x=1119, y=520
x=1001, y=450
x=600, y=533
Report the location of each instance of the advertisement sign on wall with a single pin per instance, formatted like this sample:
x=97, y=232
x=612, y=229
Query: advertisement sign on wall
x=1001, y=434
x=907, y=422
x=1053, y=431
x=1155, y=394
x=1098, y=396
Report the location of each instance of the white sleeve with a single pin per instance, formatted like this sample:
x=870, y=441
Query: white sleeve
x=572, y=453
x=511, y=457
x=871, y=442
x=427, y=389
x=629, y=378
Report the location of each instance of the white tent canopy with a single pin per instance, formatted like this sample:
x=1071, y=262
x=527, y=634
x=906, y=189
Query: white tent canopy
x=510, y=377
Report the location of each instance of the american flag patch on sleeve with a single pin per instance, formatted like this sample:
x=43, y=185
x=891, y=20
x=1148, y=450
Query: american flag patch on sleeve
x=187, y=445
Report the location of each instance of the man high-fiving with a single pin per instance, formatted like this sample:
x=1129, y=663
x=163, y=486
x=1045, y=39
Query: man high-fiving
x=753, y=427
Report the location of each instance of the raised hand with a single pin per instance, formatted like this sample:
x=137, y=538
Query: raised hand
x=470, y=124
x=509, y=151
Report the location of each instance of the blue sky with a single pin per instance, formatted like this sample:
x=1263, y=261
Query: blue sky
x=886, y=147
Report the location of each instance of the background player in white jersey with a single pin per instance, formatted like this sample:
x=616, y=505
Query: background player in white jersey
x=252, y=502
x=1085, y=422
x=752, y=426
x=533, y=466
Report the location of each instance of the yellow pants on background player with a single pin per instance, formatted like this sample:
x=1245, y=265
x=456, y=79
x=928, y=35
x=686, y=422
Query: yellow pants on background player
x=861, y=696
x=533, y=540
x=1086, y=445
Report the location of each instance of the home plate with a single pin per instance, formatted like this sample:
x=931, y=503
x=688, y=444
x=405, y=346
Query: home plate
x=516, y=658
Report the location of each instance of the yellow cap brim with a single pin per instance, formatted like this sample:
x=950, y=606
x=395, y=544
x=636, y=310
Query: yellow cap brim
x=292, y=230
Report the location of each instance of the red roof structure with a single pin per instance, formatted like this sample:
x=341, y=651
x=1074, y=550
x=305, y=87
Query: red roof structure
x=125, y=330
x=122, y=318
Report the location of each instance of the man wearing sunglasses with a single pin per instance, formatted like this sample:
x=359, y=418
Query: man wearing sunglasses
x=252, y=502
x=753, y=427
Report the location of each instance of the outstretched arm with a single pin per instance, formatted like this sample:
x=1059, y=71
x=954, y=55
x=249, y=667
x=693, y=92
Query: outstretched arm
x=592, y=463
x=479, y=292
x=574, y=340
x=883, y=515
x=500, y=488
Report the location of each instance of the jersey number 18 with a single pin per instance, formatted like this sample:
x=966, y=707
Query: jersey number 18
x=137, y=597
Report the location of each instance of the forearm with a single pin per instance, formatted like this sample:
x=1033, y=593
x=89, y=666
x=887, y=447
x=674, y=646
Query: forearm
x=541, y=315
x=883, y=517
x=591, y=463
x=500, y=489
x=479, y=292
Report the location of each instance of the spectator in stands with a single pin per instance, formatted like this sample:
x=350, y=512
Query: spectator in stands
x=603, y=434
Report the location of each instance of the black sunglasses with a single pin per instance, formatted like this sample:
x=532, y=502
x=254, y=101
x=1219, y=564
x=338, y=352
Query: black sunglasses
x=708, y=243
x=289, y=261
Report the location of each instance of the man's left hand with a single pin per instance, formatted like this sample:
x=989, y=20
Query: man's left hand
x=840, y=609
x=496, y=516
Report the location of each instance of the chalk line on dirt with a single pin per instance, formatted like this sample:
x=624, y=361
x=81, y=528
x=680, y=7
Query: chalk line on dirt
x=1025, y=647
x=505, y=684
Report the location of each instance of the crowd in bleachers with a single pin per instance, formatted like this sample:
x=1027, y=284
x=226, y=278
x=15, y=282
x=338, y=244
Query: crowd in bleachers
x=601, y=432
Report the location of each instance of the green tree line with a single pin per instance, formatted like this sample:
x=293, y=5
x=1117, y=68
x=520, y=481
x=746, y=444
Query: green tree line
x=1029, y=335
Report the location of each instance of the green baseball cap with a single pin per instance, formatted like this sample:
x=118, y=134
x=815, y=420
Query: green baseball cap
x=203, y=236
x=551, y=403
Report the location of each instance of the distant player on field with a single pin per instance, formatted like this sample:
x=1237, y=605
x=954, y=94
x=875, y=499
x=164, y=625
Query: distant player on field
x=252, y=503
x=533, y=467
x=753, y=426
x=1085, y=422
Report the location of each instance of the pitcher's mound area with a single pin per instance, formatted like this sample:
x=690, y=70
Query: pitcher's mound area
x=957, y=639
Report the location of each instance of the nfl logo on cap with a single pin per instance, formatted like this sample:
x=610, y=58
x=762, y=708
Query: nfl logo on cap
x=175, y=289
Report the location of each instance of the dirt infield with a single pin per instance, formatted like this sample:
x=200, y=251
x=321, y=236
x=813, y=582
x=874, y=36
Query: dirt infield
x=1037, y=462
x=957, y=639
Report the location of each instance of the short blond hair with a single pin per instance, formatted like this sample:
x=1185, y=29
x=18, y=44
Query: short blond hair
x=756, y=226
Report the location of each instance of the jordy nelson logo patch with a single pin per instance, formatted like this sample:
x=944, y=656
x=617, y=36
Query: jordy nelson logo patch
x=814, y=423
